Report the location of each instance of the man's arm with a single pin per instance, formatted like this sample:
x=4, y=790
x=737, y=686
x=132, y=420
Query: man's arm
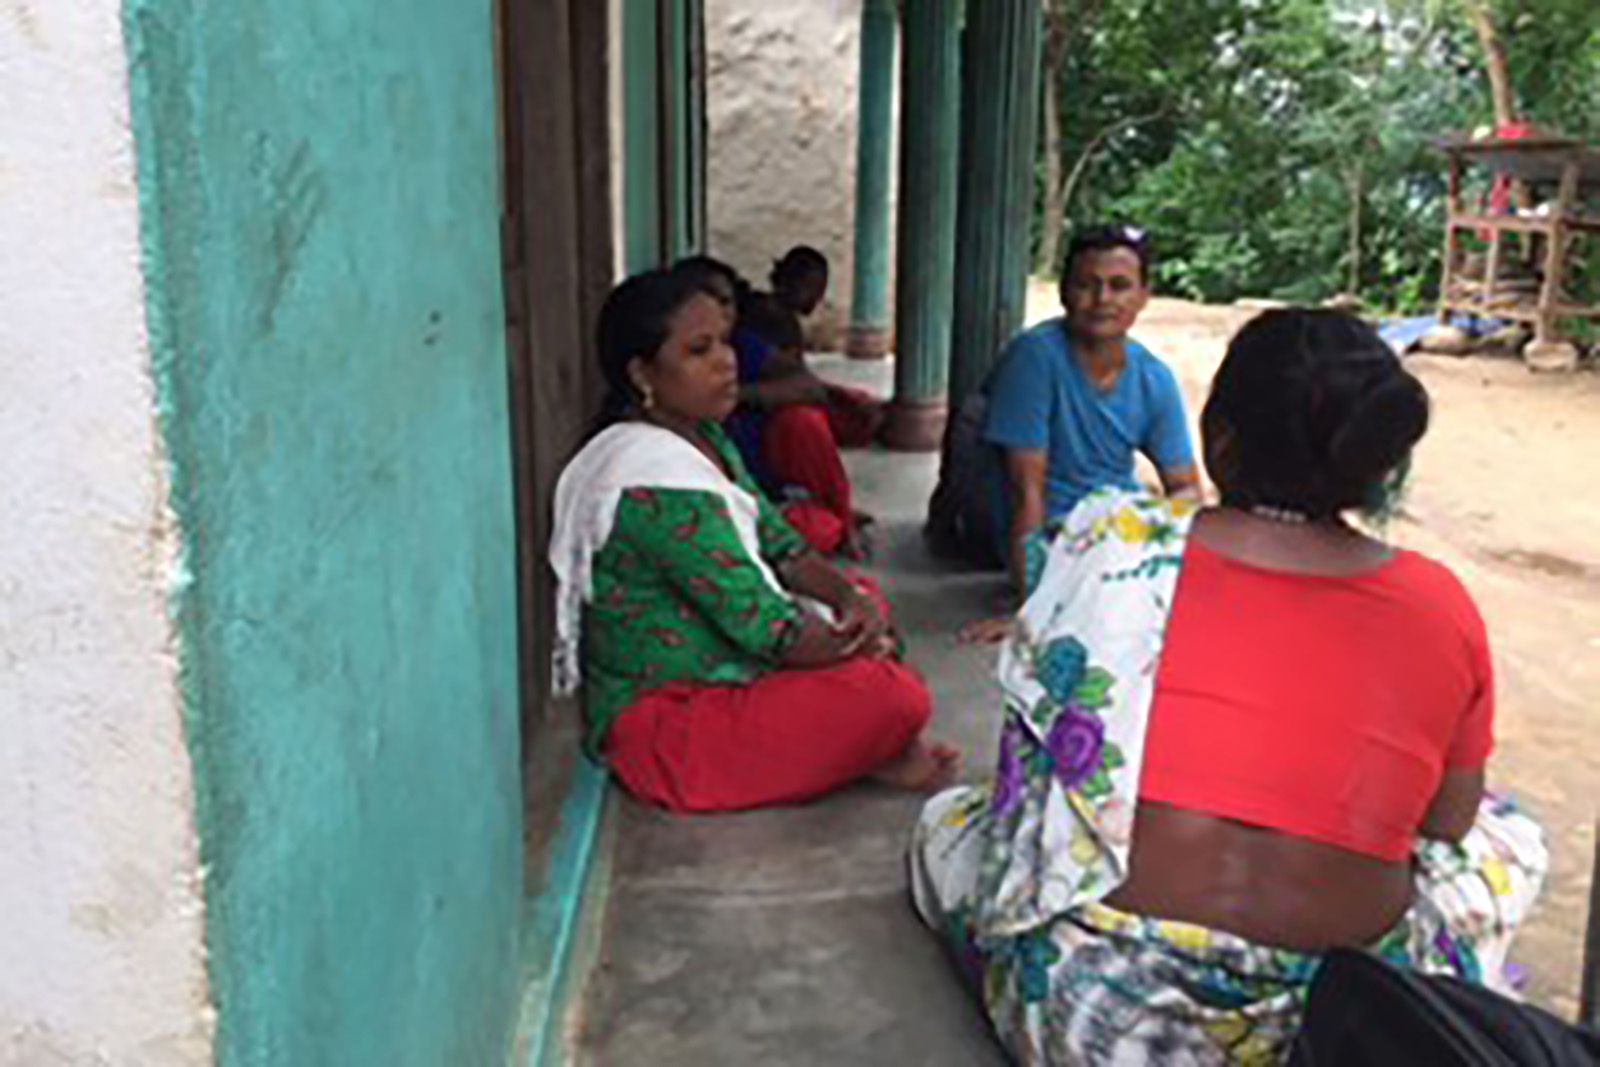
x=1018, y=422
x=781, y=392
x=785, y=379
x=1025, y=476
x=1181, y=483
x=1166, y=439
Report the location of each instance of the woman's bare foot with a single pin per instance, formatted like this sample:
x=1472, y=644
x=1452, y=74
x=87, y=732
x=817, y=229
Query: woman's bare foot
x=925, y=767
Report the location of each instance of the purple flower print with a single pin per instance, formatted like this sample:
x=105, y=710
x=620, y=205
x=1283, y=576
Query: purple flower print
x=1008, y=778
x=1076, y=741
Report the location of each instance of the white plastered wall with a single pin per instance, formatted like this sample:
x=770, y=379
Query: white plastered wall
x=101, y=930
x=781, y=105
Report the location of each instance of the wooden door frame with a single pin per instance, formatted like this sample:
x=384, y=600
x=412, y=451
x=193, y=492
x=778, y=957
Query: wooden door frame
x=559, y=231
x=559, y=264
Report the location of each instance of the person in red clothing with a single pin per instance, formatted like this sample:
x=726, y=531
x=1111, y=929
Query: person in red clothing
x=800, y=280
x=1235, y=738
x=799, y=286
x=784, y=424
x=725, y=664
x=805, y=425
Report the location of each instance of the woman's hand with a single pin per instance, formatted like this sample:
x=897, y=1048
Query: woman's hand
x=987, y=631
x=821, y=643
x=859, y=626
x=861, y=620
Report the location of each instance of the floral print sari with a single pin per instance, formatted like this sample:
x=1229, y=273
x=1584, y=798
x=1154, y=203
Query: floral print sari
x=1013, y=874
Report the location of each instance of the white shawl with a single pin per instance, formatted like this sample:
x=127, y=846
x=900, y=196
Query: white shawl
x=628, y=455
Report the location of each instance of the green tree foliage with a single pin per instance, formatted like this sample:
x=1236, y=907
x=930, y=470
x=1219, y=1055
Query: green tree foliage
x=1284, y=148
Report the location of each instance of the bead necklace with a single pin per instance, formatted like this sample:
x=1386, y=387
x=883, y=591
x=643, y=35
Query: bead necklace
x=1284, y=515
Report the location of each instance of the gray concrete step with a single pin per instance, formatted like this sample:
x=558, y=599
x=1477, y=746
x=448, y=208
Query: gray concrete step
x=787, y=937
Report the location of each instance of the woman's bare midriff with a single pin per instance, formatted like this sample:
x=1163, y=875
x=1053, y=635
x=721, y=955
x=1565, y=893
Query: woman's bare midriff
x=1268, y=887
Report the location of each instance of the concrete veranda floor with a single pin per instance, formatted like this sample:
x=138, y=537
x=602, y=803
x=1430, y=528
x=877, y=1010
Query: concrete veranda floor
x=787, y=937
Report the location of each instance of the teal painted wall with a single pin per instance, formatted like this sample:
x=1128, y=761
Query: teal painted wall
x=318, y=185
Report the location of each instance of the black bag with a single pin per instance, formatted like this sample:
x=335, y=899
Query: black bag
x=1365, y=1013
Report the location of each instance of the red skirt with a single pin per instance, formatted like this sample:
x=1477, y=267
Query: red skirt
x=789, y=736
x=801, y=445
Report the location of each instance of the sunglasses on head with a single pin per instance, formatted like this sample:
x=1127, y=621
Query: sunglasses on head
x=1111, y=234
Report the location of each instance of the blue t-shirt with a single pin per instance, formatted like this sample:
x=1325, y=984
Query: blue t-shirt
x=1040, y=399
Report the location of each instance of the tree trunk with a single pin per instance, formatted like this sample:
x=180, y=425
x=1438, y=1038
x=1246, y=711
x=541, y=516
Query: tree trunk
x=1354, y=286
x=1069, y=188
x=1494, y=60
x=1055, y=206
x=1054, y=210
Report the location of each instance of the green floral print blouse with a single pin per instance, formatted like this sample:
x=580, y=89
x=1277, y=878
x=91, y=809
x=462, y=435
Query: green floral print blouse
x=678, y=599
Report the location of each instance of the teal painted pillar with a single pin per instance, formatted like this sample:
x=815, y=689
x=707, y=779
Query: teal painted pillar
x=930, y=94
x=869, y=300
x=663, y=119
x=1000, y=104
x=682, y=23
x=641, y=135
x=696, y=132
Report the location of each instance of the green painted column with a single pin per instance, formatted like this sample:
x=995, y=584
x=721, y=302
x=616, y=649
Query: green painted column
x=930, y=128
x=641, y=135
x=869, y=300
x=1000, y=102
x=683, y=90
x=695, y=134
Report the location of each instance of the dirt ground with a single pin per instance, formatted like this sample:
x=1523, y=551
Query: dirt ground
x=1504, y=494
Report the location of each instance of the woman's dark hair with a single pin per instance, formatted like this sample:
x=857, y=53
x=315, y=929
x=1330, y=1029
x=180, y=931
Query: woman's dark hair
x=701, y=269
x=1104, y=238
x=635, y=322
x=1316, y=415
x=774, y=323
x=801, y=261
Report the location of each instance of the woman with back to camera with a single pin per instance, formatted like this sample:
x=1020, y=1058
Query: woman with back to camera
x=1235, y=738
x=727, y=665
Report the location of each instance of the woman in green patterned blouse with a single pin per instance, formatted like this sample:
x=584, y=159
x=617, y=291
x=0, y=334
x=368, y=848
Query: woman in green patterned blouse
x=726, y=665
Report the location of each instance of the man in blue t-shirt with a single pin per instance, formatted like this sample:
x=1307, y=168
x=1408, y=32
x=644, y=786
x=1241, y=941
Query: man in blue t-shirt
x=1074, y=398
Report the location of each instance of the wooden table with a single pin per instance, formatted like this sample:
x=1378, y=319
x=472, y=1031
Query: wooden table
x=1569, y=171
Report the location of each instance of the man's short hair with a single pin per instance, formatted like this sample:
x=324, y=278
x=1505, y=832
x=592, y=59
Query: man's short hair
x=1104, y=238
